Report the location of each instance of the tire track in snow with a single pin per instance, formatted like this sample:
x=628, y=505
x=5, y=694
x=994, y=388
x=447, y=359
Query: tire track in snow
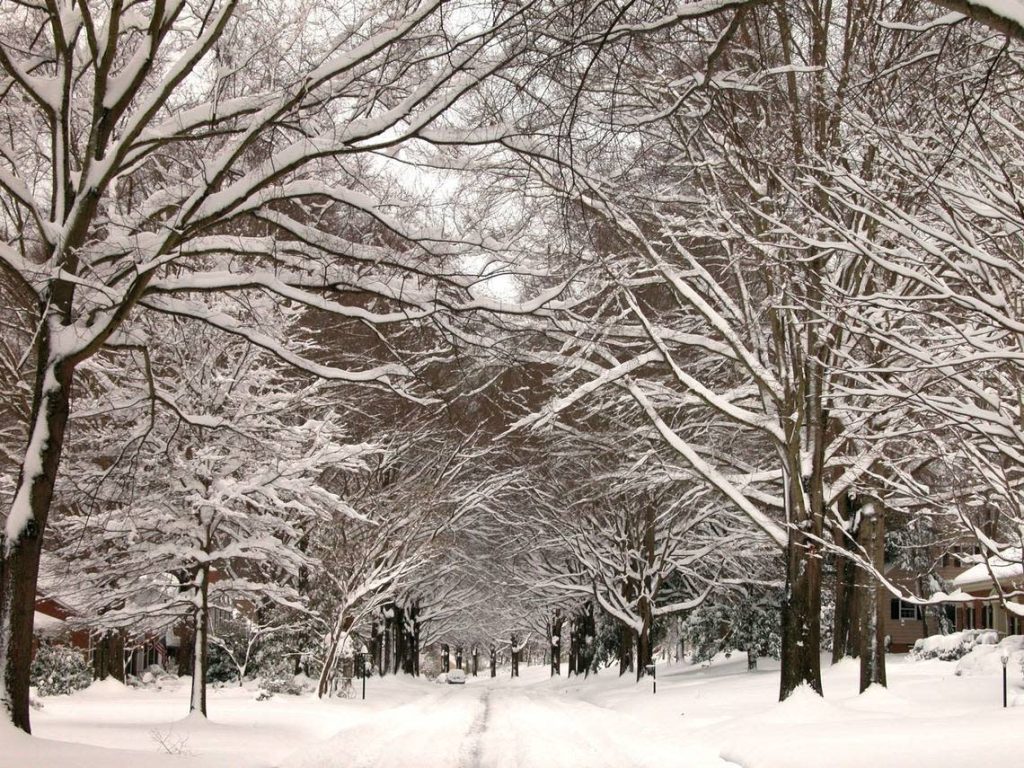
x=478, y=729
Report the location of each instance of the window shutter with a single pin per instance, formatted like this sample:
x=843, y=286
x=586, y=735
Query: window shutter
x=894, y=609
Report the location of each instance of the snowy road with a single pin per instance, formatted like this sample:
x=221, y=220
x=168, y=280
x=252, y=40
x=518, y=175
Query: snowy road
x=484, y=726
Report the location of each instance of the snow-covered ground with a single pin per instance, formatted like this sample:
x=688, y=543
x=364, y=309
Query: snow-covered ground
x=701, y=716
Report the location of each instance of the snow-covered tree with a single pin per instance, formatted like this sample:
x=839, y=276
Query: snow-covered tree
x=224, y=486
x=150, y=152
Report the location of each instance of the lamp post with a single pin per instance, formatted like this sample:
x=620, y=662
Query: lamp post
x=653, y=672
x=1005, y=657
x=364, y=664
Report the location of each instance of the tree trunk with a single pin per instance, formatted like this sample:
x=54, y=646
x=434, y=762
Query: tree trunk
x=476, y=660
x=108, y=656
x=494, y=661
x=625, y=649
x=22, y=539
x=386, y=647
x=555, y=642
x=186, y=648
x=374, y=646
x=574, y=645
x=412, y=640
x=515, y=656
x=645, y=651
x=872, y=639
x=458, y=657
x=588, y=631
x=801, y=617
x=200, y=655
x=446, y=661
x=414, y=644
x=398, y=633
x=845, y=591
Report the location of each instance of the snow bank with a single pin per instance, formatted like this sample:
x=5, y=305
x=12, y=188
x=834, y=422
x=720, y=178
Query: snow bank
x=804, y=705
x=19, y=750
x=987, y=659
x=105, y=689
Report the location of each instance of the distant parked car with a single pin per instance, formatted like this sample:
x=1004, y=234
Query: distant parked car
x=457, y=677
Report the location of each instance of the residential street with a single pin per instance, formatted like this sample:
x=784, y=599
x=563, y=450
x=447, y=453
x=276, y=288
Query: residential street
x=500, y=725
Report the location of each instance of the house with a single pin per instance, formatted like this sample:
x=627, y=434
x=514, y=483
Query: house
x=998, y=575
x=51, y=624
x=905, y=622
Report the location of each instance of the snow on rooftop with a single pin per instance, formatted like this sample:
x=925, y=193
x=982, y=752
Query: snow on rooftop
x=47, y=625
x=1008, y=564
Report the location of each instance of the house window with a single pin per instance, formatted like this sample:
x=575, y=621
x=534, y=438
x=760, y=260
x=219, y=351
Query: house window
x=900, y=610
x=969, y=617
x=986, y=616
x=1013, y=624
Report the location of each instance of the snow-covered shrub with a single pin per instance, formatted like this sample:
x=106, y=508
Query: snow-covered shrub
x=292, y=685
x=279, y=678
x=954, y=646
x=219, y=666
x=58, y=670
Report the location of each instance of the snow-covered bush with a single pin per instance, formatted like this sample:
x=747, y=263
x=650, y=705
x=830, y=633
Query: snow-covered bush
x=58, y=670
x=152, y=676
x=292, y=685
x=954, y=646
x=219, y=666
x=279, y=678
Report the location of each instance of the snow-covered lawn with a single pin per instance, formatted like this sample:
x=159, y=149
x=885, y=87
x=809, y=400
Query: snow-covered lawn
x=929, y=716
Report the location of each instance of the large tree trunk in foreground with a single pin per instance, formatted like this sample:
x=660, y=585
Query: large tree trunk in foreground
x=22, y=540
x=872, y=638
x=801, y=617
x=201, y=644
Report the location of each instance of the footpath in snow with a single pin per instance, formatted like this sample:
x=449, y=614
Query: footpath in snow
x=701, y=716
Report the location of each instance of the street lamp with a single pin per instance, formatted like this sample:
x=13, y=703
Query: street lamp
x=653, y=672
x=364, y=668
x=1004, y=657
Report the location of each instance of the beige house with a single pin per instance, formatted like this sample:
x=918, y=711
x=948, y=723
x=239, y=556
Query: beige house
x=905, y=622
x=1000, y=575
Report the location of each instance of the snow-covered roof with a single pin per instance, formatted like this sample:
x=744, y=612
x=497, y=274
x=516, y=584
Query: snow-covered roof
x=1007, y=565
x=47, y=625
x=54, y=583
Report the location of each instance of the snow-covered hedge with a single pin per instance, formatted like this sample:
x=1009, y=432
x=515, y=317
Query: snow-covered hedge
x=953, y=646
x=58, y=670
